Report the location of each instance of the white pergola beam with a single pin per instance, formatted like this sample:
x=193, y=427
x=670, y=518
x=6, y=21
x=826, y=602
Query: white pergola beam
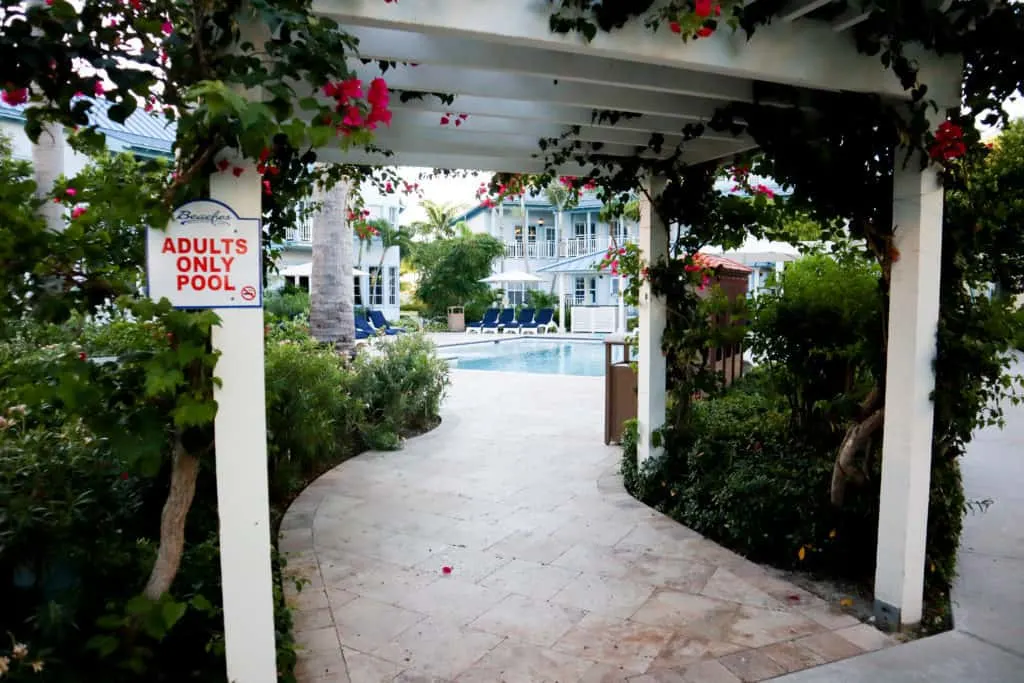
x=849, y=19
x=481, y=83
x=568, y=115
x=806, y=53
x=428, y=123
x=403, y=46
x=799, y=8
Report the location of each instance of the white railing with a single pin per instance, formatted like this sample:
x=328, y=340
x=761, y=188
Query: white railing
x=579, y=246
x=303, y=233
x=575, y=300
x=594, y=318
x=544, y=249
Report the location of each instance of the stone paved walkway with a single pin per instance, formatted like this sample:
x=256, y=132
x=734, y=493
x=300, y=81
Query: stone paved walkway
x=557, y=574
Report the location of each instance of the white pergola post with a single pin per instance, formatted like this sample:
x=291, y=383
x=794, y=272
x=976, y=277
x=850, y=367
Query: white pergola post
x=909, y=380
x=240, y=437
x=651, y=368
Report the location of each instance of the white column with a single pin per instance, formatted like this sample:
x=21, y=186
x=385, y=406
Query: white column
x=561, y=303
x=243, y=498
x=621, y=323
x=651, y=367
x=909, y=380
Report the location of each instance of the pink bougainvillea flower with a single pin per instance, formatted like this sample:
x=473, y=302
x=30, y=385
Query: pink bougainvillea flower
x=446, y=570
x=702, y=8
x=238, y=170
x=71, y=192
x=675, y=27
x=264, y=154
x=458, y=122
x=378, y=96
x=77, y=211
x=124, y=476
x=445, y=120
x=82, y=356
x=167, y=27
x=98, y=89
x=389, y=188
x=49, y=3
x=353, y=117
x=136, y=4
x=266, y=187
x=350, y=88
x=14, y=96
x=223, y=164
x=704, y=31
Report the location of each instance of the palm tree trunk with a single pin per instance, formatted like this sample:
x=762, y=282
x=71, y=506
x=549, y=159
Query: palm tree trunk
x=48, y=165
x=331, y=315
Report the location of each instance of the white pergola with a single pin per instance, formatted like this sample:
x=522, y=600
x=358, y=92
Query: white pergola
x=517, y=82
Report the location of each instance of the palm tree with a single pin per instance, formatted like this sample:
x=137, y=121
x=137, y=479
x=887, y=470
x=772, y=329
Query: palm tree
x=440, y=219
x=331, y=315
x=48, y=165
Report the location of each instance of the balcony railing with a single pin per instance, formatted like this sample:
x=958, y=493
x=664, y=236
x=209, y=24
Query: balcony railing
x=545, y=249
x=581, y=246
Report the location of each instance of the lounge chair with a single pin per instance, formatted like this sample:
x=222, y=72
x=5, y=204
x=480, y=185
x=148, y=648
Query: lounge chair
x=363, y=326
x=489, y=323
x=541, y=323
x=507, y=321
x=378, y=320
x=525, y=318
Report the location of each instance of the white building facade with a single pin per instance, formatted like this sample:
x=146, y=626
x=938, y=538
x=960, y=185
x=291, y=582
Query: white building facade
x=563, y=249
x=378, y=288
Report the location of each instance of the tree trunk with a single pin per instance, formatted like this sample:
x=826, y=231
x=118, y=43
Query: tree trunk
x=184, y=472
x=48, y=165
x=857, y=437
x=331, y=315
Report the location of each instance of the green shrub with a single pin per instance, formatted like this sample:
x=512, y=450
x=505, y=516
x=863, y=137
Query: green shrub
x=313, y=412
x=287, y=303
x=736, y=474
x=402, y=382
x=80, y=499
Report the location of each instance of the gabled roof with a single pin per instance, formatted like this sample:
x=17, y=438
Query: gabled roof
x=716, y=262
x=142, y=131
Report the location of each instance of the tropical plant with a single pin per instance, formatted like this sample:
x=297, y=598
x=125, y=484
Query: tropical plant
x=451, y=269
x=440, y=222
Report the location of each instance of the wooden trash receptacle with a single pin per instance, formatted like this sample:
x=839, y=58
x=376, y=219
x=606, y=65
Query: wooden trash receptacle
x=620, y=386
x=456, y=319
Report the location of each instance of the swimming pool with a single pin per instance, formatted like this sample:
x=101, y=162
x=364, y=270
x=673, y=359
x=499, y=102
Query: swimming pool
x=545, y=356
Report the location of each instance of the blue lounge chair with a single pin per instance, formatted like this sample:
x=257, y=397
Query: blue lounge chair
x=507, y=321
x=379, y=322
x=363, y=326
x=489, y=323
x=525, y=319
x=541, y=323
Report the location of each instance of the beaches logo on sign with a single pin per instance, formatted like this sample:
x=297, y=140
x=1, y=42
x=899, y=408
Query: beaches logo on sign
x=187, y=217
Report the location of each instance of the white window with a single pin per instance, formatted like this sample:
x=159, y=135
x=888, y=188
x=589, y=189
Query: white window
x=593, y=290
x=580, y=291
x=393, y=216
x=579, y=228
x=376, y=287
x=615, y=288
x=357, y=290
x=392, y=286
x=619, y=231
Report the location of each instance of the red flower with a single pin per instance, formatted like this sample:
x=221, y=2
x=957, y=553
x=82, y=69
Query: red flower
x=77, y=211
x=49, y=3
x=378, y=96
x=446, y=570
x=702, y=8
x=458, y=122
x=136, y=4
x=704, y=31
x=167, y=28
x=351, y=88
x=691, y=268
x=71, y=192
x=445, y=120
x=388, y=188
x=223, y=164
x=264, y=154
x=331, y=90
x=675, y=27
x=948, y=143
x=124, y=476
x=82, y=356
x=15, y=97
x=266, y=187
x=238, y=170
x=98, y=89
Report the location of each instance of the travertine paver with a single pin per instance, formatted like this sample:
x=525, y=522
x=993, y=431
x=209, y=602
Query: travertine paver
x=557, y=573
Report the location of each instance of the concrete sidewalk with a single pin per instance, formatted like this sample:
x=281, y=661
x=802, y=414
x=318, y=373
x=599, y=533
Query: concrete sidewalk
x=988, y=600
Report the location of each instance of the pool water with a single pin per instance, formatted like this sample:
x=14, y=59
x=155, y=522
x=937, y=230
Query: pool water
x=545, y=356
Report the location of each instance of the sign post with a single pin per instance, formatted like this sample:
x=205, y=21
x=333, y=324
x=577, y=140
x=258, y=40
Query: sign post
x=210, y=257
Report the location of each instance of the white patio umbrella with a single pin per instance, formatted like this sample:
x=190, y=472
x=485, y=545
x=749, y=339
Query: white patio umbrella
x=512, y=276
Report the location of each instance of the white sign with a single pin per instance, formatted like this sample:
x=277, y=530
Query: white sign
x=207, y=258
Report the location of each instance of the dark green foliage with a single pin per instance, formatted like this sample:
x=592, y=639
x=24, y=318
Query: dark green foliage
x=820, y=330
x=288, y=303
x=80, y=501
x=451, y=270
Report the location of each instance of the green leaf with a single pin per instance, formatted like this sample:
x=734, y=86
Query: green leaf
x=172, y=612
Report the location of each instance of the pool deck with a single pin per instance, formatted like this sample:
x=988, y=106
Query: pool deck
x=556, y=573
x=443, y=339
